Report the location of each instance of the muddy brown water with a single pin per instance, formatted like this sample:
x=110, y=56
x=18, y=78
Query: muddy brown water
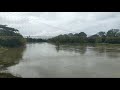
x=45, y=60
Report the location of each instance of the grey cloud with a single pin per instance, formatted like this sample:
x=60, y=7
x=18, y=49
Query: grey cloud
x=109, y=15
x=54, y=23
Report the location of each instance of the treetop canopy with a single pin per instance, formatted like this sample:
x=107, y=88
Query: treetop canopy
x=5, y=27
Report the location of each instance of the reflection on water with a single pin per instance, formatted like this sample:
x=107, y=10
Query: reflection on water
x=109, y=51
x=49, y=60
x=70, y=48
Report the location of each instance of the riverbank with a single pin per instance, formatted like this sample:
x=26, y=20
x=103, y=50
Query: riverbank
x=3, y=49
x=8, y=57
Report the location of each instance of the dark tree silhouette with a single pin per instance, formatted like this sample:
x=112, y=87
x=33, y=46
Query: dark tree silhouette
x=10, y=37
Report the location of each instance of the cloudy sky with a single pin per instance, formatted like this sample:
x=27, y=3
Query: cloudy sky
x=55, y=23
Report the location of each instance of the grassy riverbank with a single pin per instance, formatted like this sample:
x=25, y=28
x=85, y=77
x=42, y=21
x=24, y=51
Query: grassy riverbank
x=3, y=49
x=9, y=57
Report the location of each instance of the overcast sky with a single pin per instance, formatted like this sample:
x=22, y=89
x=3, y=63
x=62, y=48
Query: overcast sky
x=55, y=23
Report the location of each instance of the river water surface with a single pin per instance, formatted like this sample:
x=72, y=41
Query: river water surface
x=45, y=60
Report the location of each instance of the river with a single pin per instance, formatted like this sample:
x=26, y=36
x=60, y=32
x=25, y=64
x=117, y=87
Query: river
x=45, y=60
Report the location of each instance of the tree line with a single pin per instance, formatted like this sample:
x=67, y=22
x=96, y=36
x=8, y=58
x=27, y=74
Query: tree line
x=112, y=36
x=29, y=39
x=10, y=37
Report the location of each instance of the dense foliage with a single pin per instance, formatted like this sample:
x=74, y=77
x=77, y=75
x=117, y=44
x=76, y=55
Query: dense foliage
x=29, y=39
x=10, y=37
x=112, y=36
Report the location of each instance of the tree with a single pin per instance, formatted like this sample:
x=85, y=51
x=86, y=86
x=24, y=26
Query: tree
x=101, y=33
x=113, y=36
x=112, y=33
x=118, y=34
x=8, y=30
x=94, y=39
x=76, y=34
x=10, y=37
x=70, y=35
x=82, y=34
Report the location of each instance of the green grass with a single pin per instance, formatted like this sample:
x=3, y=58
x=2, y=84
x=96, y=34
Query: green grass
x=2, y=50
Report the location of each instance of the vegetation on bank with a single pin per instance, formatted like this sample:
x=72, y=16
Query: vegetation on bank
x=10, y=56
x=10, y=37
x=29, y=39
x=110, y=37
